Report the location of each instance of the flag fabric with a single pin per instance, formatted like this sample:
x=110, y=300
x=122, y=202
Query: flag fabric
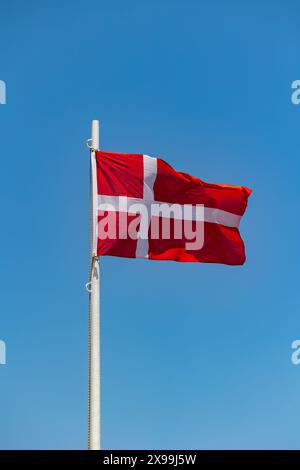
x=135, y=191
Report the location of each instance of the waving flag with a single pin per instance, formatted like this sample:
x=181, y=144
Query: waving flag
x=143, y=208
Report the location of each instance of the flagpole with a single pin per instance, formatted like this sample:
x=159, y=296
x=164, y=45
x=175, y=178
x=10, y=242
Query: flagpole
x=94, y=309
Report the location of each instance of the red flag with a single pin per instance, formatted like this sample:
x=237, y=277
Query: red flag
x=146, y=209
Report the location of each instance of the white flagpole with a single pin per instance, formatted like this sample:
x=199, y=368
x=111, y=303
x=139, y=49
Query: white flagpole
x=94, y=310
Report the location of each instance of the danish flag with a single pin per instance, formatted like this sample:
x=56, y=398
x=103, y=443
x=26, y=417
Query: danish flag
x=123, y=185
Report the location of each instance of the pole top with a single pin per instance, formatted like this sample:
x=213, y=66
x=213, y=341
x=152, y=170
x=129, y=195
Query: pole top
x=95, y=134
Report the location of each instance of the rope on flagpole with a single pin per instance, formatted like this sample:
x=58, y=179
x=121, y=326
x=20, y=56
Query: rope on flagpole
x=90, y=293
x=88, y=285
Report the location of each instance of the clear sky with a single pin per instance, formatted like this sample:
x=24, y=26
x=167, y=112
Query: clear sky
x=194, y=356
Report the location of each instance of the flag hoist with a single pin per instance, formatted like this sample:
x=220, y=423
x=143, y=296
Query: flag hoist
x=94, y=415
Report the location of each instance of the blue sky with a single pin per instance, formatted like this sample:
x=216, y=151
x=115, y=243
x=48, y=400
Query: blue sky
x=194, y=356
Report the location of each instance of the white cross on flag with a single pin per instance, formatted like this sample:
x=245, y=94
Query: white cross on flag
x=143, y=208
